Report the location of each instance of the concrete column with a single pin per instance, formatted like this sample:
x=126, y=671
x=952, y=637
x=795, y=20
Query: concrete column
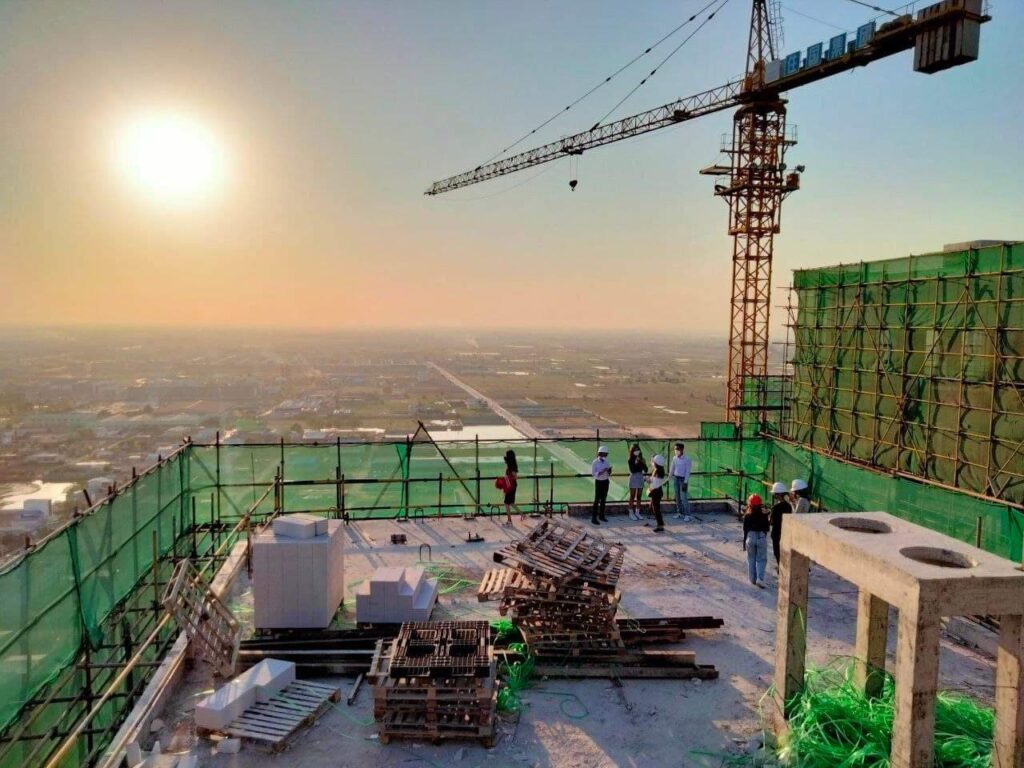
x=872, y=634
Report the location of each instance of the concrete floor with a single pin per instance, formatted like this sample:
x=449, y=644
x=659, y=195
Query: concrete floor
x=697, y=568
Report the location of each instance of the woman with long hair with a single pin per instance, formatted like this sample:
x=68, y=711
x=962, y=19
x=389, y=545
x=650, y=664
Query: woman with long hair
x=510, y=486
x=637, y=471
x=657, y=482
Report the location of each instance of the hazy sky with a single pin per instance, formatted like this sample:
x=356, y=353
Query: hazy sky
x=334, y=117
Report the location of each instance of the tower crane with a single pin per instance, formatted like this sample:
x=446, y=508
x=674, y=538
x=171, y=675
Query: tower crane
x=757, y=180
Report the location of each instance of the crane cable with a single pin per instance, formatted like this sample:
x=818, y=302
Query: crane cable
x=674, y=51
x=875, y=8
x=604, y=82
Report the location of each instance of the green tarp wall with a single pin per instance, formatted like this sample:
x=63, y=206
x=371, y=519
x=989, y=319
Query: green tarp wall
x=57, y=596
x=915, y=364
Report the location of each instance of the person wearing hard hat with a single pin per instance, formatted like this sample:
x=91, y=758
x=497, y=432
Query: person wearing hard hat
x=657, y=482
x=780, y=508
x=602, y=472
x=755, y=539
x=801, y=496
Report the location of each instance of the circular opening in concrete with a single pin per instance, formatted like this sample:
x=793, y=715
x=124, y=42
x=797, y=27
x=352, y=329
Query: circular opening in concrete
x=944, y=558
x=860, y=525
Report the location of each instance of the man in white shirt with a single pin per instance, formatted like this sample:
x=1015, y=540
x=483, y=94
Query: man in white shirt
x=602, y=472
x=680, y=471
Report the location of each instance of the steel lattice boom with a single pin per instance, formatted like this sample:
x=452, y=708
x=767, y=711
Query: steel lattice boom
x=699, y=104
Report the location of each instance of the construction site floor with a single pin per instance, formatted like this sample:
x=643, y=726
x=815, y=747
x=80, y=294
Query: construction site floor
x=696, y=568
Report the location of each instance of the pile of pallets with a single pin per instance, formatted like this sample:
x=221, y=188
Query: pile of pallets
x=435, y=681
x=561, y=593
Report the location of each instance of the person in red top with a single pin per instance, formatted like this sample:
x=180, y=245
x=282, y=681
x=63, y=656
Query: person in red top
x=511, y=484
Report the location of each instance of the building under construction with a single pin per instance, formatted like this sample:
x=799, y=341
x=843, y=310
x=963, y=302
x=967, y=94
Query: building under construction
x=902, y=394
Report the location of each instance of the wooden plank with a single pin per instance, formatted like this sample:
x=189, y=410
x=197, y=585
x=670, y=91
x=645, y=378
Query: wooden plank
x=613, y=671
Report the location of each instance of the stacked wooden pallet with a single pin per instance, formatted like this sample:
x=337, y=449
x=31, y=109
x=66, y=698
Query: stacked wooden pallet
x=435, y=681
x=561, y=593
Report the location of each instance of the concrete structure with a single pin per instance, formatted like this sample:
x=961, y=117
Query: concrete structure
x=395, y=596
x=924, y=575
x=298, y=583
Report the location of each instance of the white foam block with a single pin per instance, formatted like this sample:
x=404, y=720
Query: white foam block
x=227, y=703
x=301, y=525
x=298, y=583
x=269, y=678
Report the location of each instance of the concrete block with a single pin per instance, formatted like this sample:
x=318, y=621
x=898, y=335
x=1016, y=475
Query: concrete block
x=218, y=709
x=269, y=678
x=229, y=746
x=299, y=526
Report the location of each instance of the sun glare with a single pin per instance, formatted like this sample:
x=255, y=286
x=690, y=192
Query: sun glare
x=172, y=158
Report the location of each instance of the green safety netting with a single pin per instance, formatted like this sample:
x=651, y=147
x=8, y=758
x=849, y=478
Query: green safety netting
x=915, y=364
x=57, y=596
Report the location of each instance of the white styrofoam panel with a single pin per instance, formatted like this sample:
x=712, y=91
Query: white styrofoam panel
x=298, y=526
x=225, y=704
x=269, y=678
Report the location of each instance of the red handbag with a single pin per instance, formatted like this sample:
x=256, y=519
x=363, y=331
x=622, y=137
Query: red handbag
x=501, y=483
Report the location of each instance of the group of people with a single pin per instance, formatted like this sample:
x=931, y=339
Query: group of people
x=641, y=476
x=759, y=524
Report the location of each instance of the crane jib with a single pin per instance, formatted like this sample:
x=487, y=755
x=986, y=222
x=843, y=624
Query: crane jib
x=902, y=34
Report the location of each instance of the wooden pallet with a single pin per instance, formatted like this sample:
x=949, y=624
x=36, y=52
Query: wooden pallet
x=560, y=550
x=203, y=617
x=272, y=725
x=409, y=725
x=498, y=581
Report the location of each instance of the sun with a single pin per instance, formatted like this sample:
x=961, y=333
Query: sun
x=172, y=158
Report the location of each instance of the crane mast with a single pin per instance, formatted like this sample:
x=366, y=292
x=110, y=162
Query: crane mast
x=942, y=36
x=756, y=188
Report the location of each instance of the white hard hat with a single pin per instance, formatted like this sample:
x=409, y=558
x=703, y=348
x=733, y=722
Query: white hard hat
x=779, y=487
x=602, y=449
x=798, y=485
x=659, y=460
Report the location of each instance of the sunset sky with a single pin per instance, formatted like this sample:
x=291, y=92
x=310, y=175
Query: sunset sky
x=319, y=125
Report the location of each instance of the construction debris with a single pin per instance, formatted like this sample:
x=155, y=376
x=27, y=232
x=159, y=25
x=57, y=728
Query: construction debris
x=203, y=617
x=271, y=724
x=561, y=595
x=436, y=681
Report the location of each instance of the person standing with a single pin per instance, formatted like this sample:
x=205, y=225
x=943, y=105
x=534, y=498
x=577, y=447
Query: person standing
x=780, y=508
x=801, y=497
x=680, y=471
x=755, y=539
x=511, y=484
x=602, y=472
x=657, y=481
x=637, y=472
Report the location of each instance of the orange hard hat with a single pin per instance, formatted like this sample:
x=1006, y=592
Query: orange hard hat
x=754, y=500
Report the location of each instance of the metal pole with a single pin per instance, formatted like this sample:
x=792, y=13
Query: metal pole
x=194, y=553
x=344, y=514
x=440, y=491
x=977, y=532
x=536, y=480
x=157, y=608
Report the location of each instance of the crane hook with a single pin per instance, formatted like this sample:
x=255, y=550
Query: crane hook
x=572, y=184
